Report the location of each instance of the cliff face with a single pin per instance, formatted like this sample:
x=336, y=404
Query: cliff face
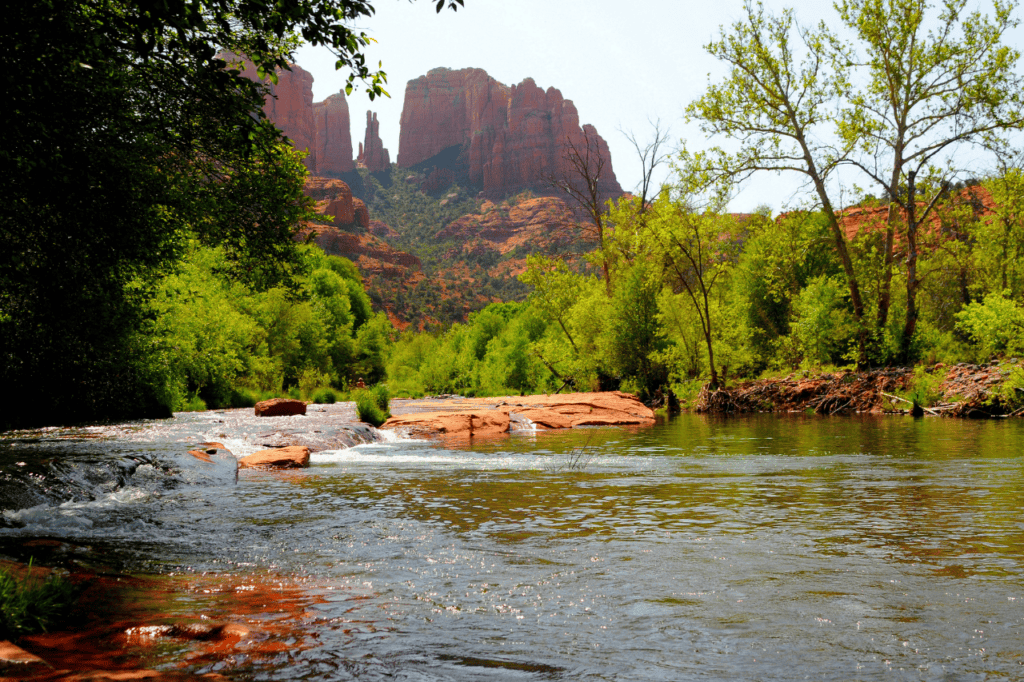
x=346, y=235
x=323, y=129
x=371, y=152
x=503, y=139
x=333, y=137
x=447, y=109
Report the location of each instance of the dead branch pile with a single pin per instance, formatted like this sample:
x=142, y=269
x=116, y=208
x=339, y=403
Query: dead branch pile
x=843, y=392
x=966, y=391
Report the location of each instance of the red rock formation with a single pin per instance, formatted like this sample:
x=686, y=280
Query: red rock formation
x=323, y=130
x=483, y=423
x=280, y=407
x=371, y=151
x=492, y=416
x=291, y=457
x=333, y=137
x=370, y=254
x=507, y=139
x=448, y=108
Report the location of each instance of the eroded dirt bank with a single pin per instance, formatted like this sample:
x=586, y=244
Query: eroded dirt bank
x=964, y=390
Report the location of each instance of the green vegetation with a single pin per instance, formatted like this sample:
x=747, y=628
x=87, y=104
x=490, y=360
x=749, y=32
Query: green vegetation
x=372, y=404
x=128, y=144
x=28, y=606
x=220, y=343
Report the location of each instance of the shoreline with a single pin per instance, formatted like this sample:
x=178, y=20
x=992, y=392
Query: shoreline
x=963, y=390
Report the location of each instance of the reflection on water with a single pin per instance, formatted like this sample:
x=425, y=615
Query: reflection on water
x=760, y=547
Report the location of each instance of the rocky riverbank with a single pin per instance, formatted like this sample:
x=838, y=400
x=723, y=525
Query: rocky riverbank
x=963, y=390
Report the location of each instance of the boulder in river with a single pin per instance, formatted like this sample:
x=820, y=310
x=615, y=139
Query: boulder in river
x=291, y=457
x=280, y=407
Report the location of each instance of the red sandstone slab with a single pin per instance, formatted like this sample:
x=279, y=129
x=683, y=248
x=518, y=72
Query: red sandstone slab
x=280, y=407
x=469, y=424
x=291, y=457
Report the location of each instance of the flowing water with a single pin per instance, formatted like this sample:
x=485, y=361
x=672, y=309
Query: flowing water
x=761, y=547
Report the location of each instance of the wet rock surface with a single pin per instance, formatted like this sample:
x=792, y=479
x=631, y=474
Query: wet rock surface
x=493, y=416
x=289, y=457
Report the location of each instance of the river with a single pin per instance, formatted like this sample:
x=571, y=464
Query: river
x=758, y=547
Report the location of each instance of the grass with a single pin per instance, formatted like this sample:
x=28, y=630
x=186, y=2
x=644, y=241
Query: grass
x=577, y=459
x=28, y=606
x=372, y=405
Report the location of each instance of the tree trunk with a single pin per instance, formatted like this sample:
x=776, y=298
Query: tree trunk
x=885, y=289
x=851, y=276
x=910, y=326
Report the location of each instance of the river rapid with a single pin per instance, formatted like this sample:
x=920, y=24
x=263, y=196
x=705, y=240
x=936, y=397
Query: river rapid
x=758, y=547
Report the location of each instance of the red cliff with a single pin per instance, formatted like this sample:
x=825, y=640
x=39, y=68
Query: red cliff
x=333, y=137
x=323, y=129
x=503, y=139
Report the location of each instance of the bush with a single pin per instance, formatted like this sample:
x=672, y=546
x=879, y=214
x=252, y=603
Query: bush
x=243, y=397
x=194, y=404
x=992, y=327
x=27, y=607
x=372, y=405
x=325, y=396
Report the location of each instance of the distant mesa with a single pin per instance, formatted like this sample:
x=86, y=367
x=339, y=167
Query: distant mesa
x=501, y=139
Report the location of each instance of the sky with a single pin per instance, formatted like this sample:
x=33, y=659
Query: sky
x=623, y=64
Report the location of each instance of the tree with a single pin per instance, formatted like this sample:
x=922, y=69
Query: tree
x=932, y=85
x=894, y=113
x=778, y=103
x=696, y=250
x=582, y=180
x=127, y=138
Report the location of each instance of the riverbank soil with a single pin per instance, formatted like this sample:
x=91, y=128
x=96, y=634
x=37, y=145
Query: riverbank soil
x=482, y=417
x=964, y=390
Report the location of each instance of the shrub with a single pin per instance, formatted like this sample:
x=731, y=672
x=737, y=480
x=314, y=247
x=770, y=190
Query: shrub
x=992, y=327
x=27, y=606
x=194, y=404
x=325, y=396
x=372, y=405
x=243, y=397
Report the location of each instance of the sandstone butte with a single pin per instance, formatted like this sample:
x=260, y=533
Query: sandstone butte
x=372, y=153
x=505, y=138
x=482, y=417
x=322, y=129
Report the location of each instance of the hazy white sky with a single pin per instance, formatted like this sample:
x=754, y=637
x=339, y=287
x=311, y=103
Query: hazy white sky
x=620, y=63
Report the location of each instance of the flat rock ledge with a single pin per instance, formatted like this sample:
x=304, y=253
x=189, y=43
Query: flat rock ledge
x=291, y=457
x=280, y=407
x=483, y=417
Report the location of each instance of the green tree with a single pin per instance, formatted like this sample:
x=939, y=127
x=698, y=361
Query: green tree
x=932, y=85
x=798, y=99
x=779, y=100
x=126, y=139
x=696, y=251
